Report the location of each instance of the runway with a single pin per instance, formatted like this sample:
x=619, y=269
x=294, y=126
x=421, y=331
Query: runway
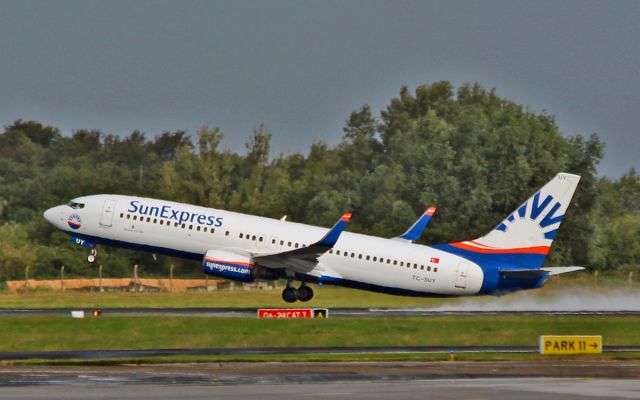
x=544, y=380
x=333, y=312
x=137, y=353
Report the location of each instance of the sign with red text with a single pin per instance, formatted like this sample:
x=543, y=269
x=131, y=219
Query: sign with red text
x=282, y=313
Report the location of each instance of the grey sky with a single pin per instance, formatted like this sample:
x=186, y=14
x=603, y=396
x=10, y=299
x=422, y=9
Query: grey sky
x=301, y=67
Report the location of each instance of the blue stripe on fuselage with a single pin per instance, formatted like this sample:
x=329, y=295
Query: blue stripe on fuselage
x=143, y=247
x=524, y=260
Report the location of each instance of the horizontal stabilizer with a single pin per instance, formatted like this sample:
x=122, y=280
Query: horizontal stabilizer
x=536, y=273
x=561, y=270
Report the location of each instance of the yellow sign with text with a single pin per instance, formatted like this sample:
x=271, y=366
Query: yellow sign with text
x=570, y=344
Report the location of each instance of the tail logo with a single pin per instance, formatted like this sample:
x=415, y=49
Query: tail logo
x=543, y=212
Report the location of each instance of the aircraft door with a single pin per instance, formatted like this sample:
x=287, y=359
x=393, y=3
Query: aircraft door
x=461, y=275
x=106, y=219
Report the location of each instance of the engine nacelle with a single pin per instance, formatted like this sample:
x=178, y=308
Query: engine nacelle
x=229, y=265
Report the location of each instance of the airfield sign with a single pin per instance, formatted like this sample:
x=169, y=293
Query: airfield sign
x=570, y=344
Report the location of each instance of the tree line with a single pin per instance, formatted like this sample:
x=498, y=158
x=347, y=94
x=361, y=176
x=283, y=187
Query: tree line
x=474, y=154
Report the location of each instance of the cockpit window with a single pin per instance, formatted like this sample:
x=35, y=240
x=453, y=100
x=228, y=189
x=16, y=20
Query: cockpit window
x=75, y=205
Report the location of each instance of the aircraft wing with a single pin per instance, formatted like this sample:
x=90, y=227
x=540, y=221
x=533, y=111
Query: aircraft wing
x=412, y=234
x=304, y=259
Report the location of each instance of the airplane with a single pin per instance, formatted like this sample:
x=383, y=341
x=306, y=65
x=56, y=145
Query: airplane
x=244, y=247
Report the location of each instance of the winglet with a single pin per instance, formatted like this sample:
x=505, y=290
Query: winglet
x=330, y=239
x=412, y=234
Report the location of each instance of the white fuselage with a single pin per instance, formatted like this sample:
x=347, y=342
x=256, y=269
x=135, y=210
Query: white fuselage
x=374, y=262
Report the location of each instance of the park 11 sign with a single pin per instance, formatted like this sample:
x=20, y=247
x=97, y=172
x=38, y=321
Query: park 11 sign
x=554, y=344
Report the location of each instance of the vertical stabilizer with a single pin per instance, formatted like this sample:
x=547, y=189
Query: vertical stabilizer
x=524, y=237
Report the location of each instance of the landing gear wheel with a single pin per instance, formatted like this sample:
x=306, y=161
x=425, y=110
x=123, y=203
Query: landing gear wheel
x=305, y=293
x=93, y=253
x=290, y=294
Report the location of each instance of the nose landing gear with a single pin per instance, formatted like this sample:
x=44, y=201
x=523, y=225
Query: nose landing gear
x=92, y=255
x=291, y=294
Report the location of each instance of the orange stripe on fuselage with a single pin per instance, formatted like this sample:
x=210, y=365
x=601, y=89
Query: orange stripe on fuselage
x=521, y=250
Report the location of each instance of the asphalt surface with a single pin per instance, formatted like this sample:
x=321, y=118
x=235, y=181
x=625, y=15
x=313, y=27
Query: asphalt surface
x=493, y=389
x=568, y=380
x=252, y=312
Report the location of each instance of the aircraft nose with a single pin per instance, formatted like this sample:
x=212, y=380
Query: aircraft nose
x=51, y=215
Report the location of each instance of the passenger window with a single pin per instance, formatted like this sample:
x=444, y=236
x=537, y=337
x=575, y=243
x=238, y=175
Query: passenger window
x=402, y=263
x=253, y=237
x=128, y=216
x=422, y=267
x=260, y=239
x=190, y=227
x=359, y=256
x=184, y=226
x=273, y=241
x=395, y=262
x=288, y=244
x=428, y=268
x=435, y=269
x=296, y=245
x=121, y=215
x=198, y=228
x=282, y=243
x=226, y=233
x=368, y=258
x=148, y=219
x=161, y=222
x=135, y=217
x=204, y=229
x=175, y=224
x=155, y=220
x=240, y=235
x=375, y=259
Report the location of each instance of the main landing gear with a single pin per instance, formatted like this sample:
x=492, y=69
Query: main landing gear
x=290, y=294
x=92, y=255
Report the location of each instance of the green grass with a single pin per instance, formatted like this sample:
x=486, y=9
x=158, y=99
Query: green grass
x=65, y=333
x=326, y=296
